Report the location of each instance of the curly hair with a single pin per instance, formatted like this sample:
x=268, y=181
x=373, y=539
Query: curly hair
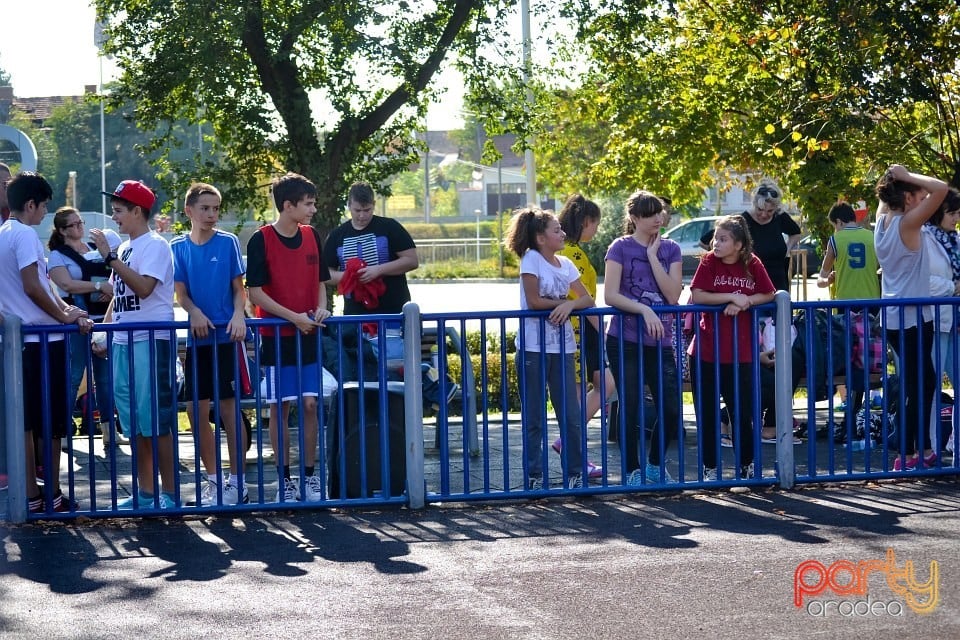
x=892, y=192
x=524, y=227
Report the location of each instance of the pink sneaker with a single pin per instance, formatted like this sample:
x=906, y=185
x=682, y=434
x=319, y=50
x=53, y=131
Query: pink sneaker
x=930, y=460
x=911, y=462
x=593, y=471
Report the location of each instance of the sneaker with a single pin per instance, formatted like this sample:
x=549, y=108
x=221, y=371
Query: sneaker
x=655, y=477
x=746, y=471
x=60, y=504
x=535, y=483
x=208, y=497
x=313, y=489
x=3, y=480
x=634, y=479
x=912, y=462
x=146, y=502
x=930, y=460
x=710, y=474
x=231, y=494
x=575, y=482
x=288, y=491
x=133, y=502
x=593, y=470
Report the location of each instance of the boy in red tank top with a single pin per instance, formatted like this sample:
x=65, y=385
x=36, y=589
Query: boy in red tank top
x=283, y=278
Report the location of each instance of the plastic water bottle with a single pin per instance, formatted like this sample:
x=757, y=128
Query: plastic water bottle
x=859, y=445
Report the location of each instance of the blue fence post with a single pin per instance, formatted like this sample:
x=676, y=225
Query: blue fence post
x=13, y=419
x=786, y=469
x=413, y=406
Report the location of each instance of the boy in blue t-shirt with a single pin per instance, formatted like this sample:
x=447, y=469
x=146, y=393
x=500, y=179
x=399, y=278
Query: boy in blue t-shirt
x=208, y=280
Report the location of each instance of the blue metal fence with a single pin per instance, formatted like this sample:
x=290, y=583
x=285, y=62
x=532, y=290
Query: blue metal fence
x=376, y=447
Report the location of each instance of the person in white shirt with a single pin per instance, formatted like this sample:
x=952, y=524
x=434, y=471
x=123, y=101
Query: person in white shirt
x=26, y=292
x=143, y=292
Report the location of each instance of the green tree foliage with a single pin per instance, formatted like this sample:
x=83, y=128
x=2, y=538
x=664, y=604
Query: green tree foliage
x=256, y=71
x=821, y=94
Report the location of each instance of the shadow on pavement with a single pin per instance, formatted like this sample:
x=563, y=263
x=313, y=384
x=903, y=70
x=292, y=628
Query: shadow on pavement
x=61, y=555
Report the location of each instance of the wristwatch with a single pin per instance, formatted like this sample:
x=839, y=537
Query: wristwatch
x=111, y=257
x=96, y=285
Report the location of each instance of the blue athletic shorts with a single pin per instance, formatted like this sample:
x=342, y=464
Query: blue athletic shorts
x=140, y=392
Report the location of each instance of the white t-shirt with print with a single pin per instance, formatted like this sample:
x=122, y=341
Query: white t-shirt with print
x=148, y=255
x=20, y=247
x=553, y=282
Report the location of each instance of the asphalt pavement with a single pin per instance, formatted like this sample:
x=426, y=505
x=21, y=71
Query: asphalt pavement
x=697, y=564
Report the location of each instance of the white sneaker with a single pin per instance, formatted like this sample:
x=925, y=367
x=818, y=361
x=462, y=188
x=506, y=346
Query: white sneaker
x=208, y=497
x=709, y=474
x=231, y=495
x=288, y=491
x=313, y=489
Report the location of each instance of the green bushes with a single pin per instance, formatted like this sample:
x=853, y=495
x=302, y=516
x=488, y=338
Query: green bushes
x=493, y=386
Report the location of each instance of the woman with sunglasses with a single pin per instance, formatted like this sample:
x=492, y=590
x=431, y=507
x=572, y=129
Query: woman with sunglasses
x=774, y=233
x=83, y=283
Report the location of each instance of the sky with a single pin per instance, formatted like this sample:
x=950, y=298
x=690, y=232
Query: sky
x=47, y=47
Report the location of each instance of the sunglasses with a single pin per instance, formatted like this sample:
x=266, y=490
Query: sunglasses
x=768, y=192
x=78, y=223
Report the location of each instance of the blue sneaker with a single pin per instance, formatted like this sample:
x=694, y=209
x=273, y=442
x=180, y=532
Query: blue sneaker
x=135, y=502
x=146, y=502
x=655, y=477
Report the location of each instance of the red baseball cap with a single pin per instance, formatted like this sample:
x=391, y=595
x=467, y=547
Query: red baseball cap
x=135, y=193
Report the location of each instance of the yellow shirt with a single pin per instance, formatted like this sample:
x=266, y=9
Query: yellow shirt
x=588, y=276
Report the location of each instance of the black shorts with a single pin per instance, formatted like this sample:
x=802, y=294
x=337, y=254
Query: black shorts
x=59, y=406
x=203, y=355
x=590, y=348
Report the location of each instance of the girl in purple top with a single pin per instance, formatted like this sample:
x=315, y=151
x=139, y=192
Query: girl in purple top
x=643, y=270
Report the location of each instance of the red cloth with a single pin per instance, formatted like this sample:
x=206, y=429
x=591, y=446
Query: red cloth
x=366, y=293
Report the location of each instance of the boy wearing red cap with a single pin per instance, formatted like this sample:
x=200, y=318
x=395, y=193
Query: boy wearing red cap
x=143, y=292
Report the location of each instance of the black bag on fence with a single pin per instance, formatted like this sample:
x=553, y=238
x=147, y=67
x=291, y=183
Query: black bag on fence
x=366, y=437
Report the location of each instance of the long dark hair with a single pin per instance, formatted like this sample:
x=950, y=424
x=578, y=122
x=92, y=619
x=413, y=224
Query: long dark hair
x=950, y=203
x=641, y=204
x=574, y=215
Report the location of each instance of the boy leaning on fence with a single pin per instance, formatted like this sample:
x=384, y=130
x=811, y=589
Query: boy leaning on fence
x=25, y=292
x=143, y=380
x=284, y=280
x=208, y=280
